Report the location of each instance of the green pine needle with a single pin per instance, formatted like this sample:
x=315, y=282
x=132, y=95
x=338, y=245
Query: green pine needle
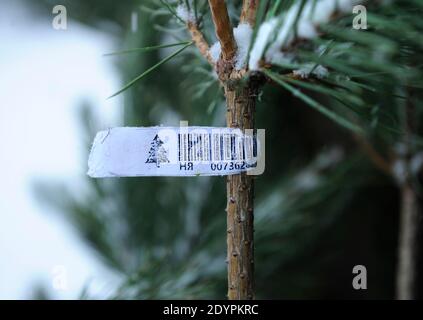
x=274, y=9
x=172, y=10
x=314, y=104
x=148, y=71
x=147, y=49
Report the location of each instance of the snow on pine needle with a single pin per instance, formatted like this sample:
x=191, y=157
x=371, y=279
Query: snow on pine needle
x=215, y=51
x=277, y=34
x=242, y=34
x=185, y=13
x=310, y=68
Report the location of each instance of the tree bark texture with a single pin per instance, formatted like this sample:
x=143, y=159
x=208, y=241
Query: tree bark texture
x=223, y=28
x=410, y=210
x=240, y=201
x=408, y=244
x=240, y=94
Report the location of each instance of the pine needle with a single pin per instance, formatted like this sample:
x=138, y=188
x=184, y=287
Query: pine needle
x=146, y=49
x=314, y=104
x=148, y=71
x=172, y=10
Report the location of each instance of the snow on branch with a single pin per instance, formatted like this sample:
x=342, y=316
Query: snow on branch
x=310, y=68
x=242, y=35
x=223, y=28
x=215, y=51
x=275, y=35
x=186, y=14
x=201, y=43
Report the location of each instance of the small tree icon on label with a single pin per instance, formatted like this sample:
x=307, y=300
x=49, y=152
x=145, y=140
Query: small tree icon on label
x=157, y=153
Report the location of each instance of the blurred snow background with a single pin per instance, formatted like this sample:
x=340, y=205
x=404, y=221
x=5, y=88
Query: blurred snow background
x=45, y=76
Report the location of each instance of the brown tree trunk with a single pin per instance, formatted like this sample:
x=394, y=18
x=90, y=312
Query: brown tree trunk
x=408, y=244
x=240, y=102
x=240, y=200
x=410, y=210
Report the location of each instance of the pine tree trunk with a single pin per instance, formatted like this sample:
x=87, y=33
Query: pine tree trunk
x=240, y=201
x=410, y=211
x=240, y=101
x=408, y=244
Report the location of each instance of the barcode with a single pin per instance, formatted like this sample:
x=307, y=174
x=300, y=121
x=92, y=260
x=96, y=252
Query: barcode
x=216, y=147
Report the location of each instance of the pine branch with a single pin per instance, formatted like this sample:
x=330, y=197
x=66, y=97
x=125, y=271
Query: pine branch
x=249, y=11
x=408, y=244
x=378, y=160
x=223, y=28
x=411, y=211
x=199, y=40
x=149, y=70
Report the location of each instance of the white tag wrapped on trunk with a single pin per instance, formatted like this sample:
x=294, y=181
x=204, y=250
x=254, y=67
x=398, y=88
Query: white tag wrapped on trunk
x=173, y=151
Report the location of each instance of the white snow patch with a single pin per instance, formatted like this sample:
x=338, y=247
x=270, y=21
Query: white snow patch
x=265, y=31
x=285, y=31
x=306, y=27
x=279, y=58
x=319, y=71
x=184, y=13
x=215, y=51
x=416, y=163
x=323, y=10
x=306, y=30
x=242, y=34
x=399, y=170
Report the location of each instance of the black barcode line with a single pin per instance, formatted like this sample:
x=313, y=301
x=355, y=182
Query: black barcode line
x=209, y=147
x=179, y=147
x=193, y=147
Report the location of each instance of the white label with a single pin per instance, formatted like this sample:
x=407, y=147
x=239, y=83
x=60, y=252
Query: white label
x=172, y=151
